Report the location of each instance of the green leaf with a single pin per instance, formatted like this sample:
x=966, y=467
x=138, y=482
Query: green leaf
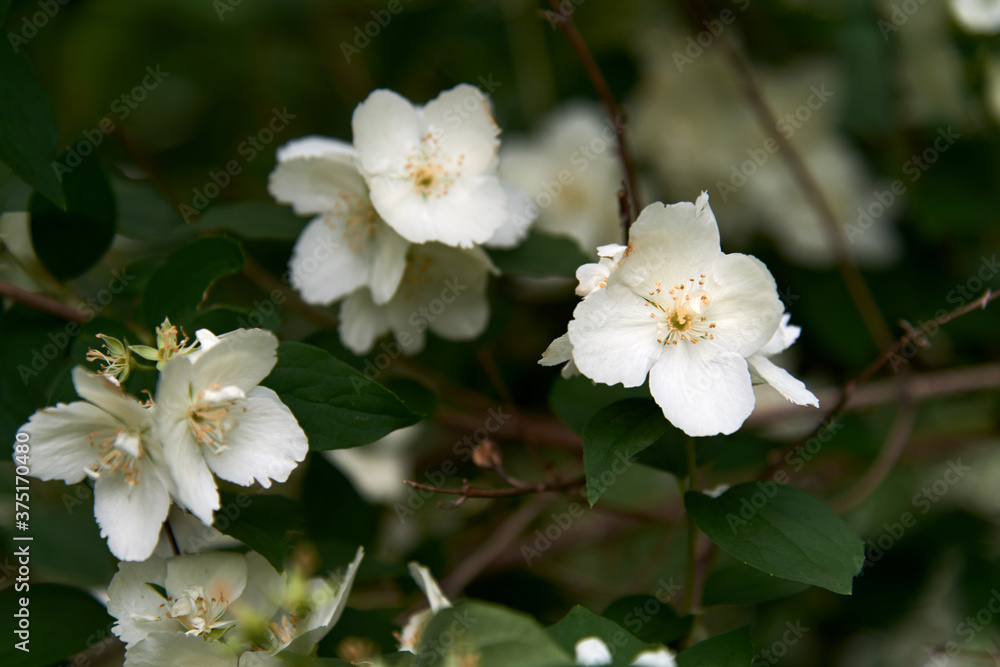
x=222, y=319
x=541, y=255
x=580, y=623
x=63, y=621
x=488, y=636
x=70, y=241
x=176, y=288
x=649, y=619
x=262, y=522
x=28, y=135
x=14, y=193
x=730, y=649
x=400, y=659
x=576, y=399
x=616, y=434
x=781, y=530
x=669, y=452
x=336, y=406
x=253, y=220
x=740, y=584
x=144, y=215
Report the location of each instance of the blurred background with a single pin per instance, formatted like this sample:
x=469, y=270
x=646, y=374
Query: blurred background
x=893, y=107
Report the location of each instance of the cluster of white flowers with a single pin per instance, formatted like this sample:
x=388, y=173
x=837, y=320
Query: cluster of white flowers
x=701, y=324
x=593, y=652
x=221, y=610
x=208, y=416
x=400, y=216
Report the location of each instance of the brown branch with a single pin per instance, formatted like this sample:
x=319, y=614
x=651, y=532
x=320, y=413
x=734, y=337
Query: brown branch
x=853, y=280
x=565, y=22
x=261, y=277
x=41, y=302
x=474, y=492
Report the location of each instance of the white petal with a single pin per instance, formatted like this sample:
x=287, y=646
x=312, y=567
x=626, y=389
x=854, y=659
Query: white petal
x=671, y=244
x=260, y=659
x=361, y=322
x=462, y=121
x=613, y=337
x=783, y=381
x=388, y=262
x=429, y=585
x=241, y=359
x=60, y=448
x=131, y=596
x=131, y=516
x=977, y=16
x=222, y=575
x=103, y=393
x=266, y=444
x=163, y=649
x=558, y=352
x=264, y=591
x=328, y=600
x=744, y=303
x=592, y=651
x=315, y=184
x=783, y=338
x=520, y=215
x=387, y=129
x=313, y=146
x=323, y=266
x=703, y=390
x=660, y=658
x=195, y=486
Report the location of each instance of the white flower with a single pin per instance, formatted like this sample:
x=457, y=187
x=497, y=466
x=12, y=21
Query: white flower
x=571, y=175
x=518, y=223
x=212, y=417
x=764, y=370
x=223, y=609
x=560, y=351
x=378, y=469
x=684, y=313
x=977, y=16
x=108, y=437
x=432, y=169
x=593, y=652
x=409, y=638
x=443, y=290
x=347, y=245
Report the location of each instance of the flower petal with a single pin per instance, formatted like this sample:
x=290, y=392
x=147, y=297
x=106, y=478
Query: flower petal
x=788, y=386
x=60, y=448
x=592, y=651
x=520, y=214
x=361, y=322
x=387, y=128
x=744, y=303
x=613, y=337
x=660, y=658
x=195, y=486
x=162, y=649
x=328, y=600
x=267, y=443
x=388, y=262
x=703, y=390
x=241, y=359
x=315, y=184
x=429, y=585
x=130, y=596
x=109, y=397
x=323, y=267
x=222, y=575
x=314, y=146
x=131, y=516
x=462, y=122
x=784, y=337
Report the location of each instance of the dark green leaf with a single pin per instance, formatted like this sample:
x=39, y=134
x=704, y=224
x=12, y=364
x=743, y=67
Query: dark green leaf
x=581, y=623
x=28, y=134
x=176, y=288
x=669, y=452
x=488, y=636
x=253, y=220
x=336, y=406
x=63, y=621
x=221, y=319
x=541, y=255
x=70, y=241
x=781, y=530
x=741, y=584
x=730, y=649
x=576, y=399
x=144, y=215
x=262, y=522
x=648, y=618
x=335, y=511
x=616, y=434
x=14, y=192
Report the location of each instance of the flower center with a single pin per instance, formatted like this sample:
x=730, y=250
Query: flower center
x=682, y=314
x=117, y=452
x=214, y=414
x=429, y=170
x=360, y=219
x=197, y=613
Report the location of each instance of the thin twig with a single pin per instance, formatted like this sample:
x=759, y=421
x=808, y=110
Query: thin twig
x=475, y=492
x=565, y=22
x=41, y=302
x=853, y=280
x=258, y=275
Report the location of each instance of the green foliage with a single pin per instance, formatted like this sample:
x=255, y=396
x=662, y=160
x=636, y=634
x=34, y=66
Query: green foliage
x=253, y=220
x=781, y=530
x=649, y=619
x=575, y=400
x=541, y=255
x=262, y=522
x=336, y=406
x=739, y=584
x=581, y=623
x=730, y=649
